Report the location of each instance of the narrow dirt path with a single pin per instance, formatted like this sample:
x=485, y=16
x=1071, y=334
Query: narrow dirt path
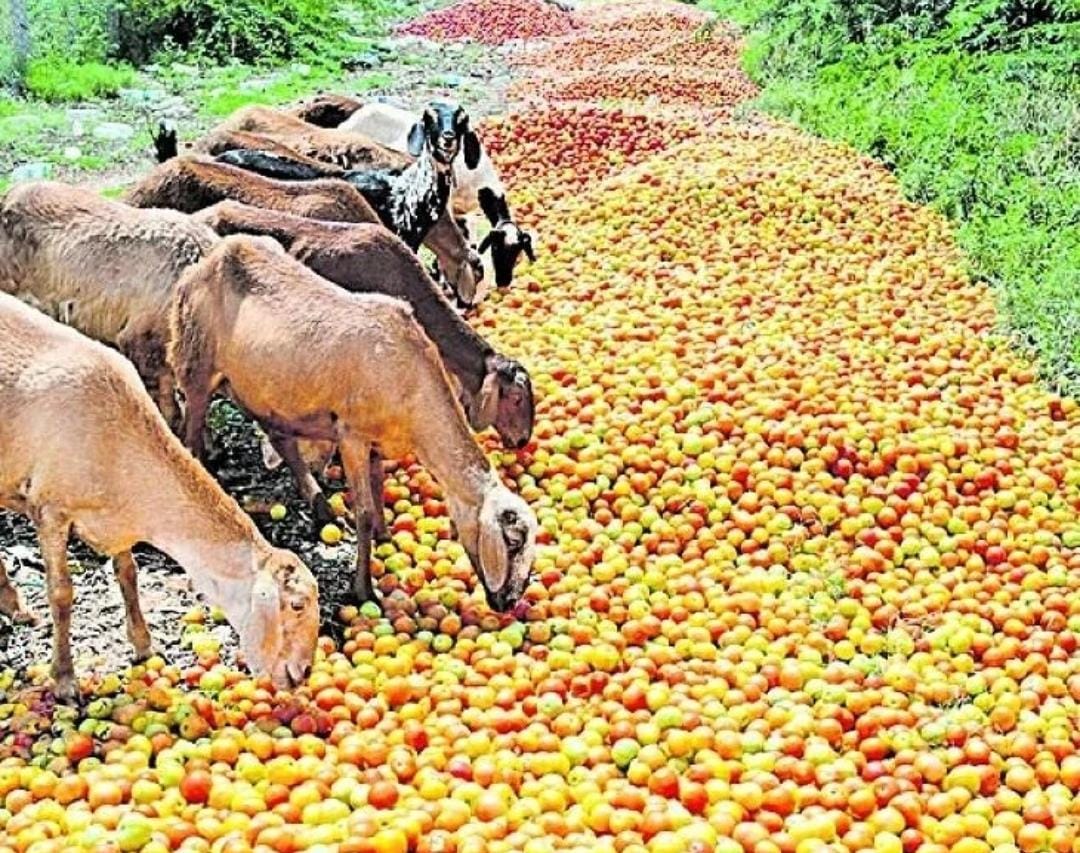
x=808, y=566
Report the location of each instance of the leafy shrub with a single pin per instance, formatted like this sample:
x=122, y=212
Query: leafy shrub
x=975, y=104
x=245, y=30
x=54, y=79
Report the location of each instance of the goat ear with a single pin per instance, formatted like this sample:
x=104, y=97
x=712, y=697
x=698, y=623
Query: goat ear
x=494, y=557
x=485, y=244
x=416, y=139
x=472, y=150
x=261, y=638
x=486, y=406
x=526, y=244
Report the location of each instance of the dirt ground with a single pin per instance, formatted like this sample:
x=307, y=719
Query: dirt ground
x=99, y=641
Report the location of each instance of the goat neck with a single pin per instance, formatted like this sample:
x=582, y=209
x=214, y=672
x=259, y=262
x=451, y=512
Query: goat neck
x=178, y=510
x=419, y=197
x=444, y=445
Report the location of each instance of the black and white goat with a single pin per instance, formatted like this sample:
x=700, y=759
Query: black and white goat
x=476, y=186
x=408, y=200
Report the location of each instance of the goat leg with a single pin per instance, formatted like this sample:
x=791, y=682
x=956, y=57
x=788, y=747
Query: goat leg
x=287, y=448
x=53, y=537
x=11, y=602
x=146, y=351
x=125, y=569
x=356, y=460
x=196, y=391
x=378, y=517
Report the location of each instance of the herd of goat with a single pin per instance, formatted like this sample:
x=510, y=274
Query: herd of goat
x=275, y=263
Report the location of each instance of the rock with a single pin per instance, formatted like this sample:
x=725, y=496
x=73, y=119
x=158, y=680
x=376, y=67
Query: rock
x=406, y=43
x=72, y=152
x=186, y=70
x=83, y=115
x=141, y=97
x=362, y=61
x=172, y=106
x=114, y=131
x=301, y=68
x=31, y=172
x=451, y=80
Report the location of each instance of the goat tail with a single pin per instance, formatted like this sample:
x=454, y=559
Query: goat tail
x=165, y=140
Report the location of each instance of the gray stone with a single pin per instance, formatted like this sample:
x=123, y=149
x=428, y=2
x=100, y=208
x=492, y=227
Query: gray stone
x=172, y=107
x=72, y=152
x=363, y=61
x=186, y=70
x=451, y=80
x=301, y=68
x=83, y=114
x=31, y=172
x=141, y=97
x=114, y=131
x=405, y=43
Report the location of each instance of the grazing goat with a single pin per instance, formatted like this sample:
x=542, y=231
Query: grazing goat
x=327, y=110
x=101, y=266
x=408, y=200
x=476, y=183
x=345, y=150
x=495, y=390
x=193, y=182
x=252, y=317
x=84, y=452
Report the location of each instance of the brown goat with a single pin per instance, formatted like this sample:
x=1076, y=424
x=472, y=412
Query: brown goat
x=327, y=109
x=84, y=452
x=192, y=182
x=309, y=360
x=101, y=266
x=495, y=390
x=346, y=150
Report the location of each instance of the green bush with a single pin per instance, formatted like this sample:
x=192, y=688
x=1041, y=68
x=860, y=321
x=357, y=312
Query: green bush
x=245, y=30
x=975, y=104
x=54, y=79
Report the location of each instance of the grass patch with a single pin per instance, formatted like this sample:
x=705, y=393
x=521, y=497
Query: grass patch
x=56, y=80
x=975, y=107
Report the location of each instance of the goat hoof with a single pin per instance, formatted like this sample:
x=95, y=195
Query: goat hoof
x=364, y=596
x=138, y=657
x=66, y=691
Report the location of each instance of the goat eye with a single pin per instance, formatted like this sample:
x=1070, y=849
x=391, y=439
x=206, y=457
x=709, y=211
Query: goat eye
x=508, y=517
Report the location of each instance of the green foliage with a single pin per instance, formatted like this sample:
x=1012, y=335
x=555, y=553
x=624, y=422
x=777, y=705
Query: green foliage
x=244, y=30
x=53, y=79
x=975, y=104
